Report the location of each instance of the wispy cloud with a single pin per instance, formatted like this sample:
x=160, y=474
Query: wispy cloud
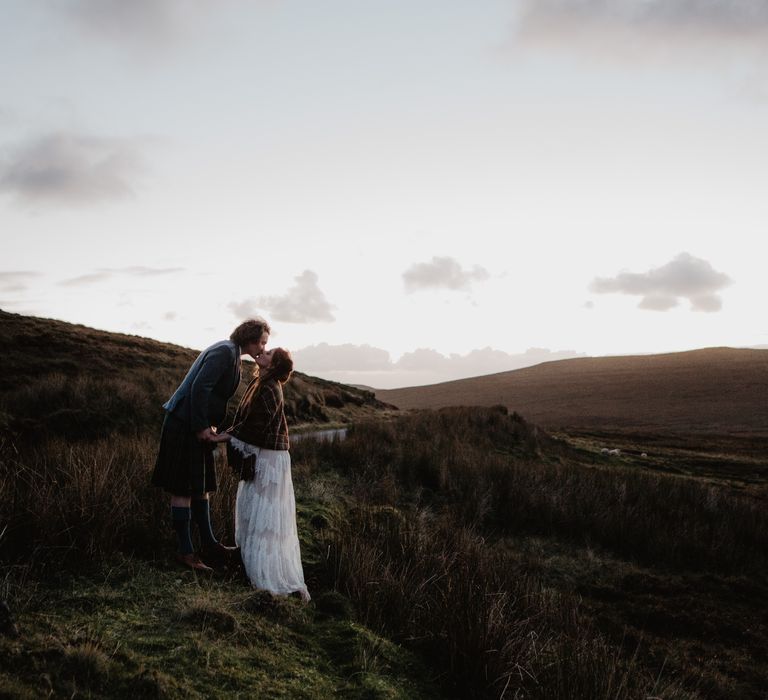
x=69, y=168
x=143, y=271
x=85, y=279
x=442, y=273
x=661, y=288
x=305, y=302
x=106, y=273
x=718, y=17
x=16, y=280
x=647, y=29
x=147, y=21
x=142, y=25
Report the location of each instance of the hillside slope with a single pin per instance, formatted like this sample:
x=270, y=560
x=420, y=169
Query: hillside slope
x=69, y=379
x=720, y=390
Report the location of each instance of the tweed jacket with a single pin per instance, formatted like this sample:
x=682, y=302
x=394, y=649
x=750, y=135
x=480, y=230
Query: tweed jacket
x=201, y=399
x=260, y=418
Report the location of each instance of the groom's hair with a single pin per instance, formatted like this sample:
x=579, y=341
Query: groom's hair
x=250, y=331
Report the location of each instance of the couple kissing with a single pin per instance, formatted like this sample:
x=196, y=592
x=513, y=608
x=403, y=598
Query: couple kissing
x=266, y=536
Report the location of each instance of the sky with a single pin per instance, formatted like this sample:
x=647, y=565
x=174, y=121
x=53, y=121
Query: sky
x=407, y=191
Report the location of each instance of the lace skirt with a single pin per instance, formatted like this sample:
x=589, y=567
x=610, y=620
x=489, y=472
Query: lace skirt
x=265, y=523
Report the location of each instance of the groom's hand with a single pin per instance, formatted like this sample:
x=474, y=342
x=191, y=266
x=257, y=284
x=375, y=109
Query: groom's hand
x=206, y=435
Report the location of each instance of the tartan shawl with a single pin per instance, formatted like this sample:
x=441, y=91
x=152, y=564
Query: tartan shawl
x=260, y=418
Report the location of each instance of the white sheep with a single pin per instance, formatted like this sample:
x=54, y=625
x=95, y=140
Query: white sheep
x=604, y=451
x=644, y=455
x=614, y=453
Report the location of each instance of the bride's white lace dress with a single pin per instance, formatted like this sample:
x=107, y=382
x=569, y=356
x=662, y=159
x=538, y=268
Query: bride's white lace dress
x=265, y=523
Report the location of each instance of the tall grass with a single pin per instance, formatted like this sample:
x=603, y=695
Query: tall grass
x=426, y=495
x=77, y=500
x=66, y=504
x=491, y=629
x=495, y=472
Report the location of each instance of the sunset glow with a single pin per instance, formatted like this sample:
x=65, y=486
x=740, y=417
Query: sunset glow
x=409, y=192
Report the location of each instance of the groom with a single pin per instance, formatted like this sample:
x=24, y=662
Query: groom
x=185, y=465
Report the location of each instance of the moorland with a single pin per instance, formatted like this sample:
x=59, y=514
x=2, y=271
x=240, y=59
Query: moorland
x=461, y=551
x=707, y=391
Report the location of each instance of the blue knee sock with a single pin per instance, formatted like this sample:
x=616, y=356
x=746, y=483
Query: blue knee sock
x=201, y=512
x=182, y=518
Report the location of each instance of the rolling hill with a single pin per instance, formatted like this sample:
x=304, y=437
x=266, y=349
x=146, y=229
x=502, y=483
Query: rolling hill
x=63, y=379
x=714, y=390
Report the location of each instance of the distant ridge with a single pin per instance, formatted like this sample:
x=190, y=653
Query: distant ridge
x=718, y=390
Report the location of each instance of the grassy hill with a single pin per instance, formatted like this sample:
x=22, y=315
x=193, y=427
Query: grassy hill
x=458, y=553
x=715, y=390
x=58, y=378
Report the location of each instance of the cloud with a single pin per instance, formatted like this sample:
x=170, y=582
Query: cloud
x=85, y=279
x=371, y=366
x=69, y=168
x=143, y=271
x=424, y=359
x=661, y=288
x=305, y=302
x=148, y=21
x=16, y=280
x=718, y=17
x=442, y=273
x=105, y=273
x=142, y=25
x=645, y=27
x=477, y=362
x=170, y=316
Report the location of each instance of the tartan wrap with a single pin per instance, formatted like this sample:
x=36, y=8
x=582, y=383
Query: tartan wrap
x=260, y=418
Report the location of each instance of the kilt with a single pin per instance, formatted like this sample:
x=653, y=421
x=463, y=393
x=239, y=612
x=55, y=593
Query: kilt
x=184, y=465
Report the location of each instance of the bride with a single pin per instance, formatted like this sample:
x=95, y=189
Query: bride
x=265, y=510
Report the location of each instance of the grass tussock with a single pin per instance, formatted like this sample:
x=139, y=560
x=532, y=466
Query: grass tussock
x=87, y=663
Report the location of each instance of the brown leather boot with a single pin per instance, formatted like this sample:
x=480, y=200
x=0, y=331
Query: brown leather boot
x=221, y=555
